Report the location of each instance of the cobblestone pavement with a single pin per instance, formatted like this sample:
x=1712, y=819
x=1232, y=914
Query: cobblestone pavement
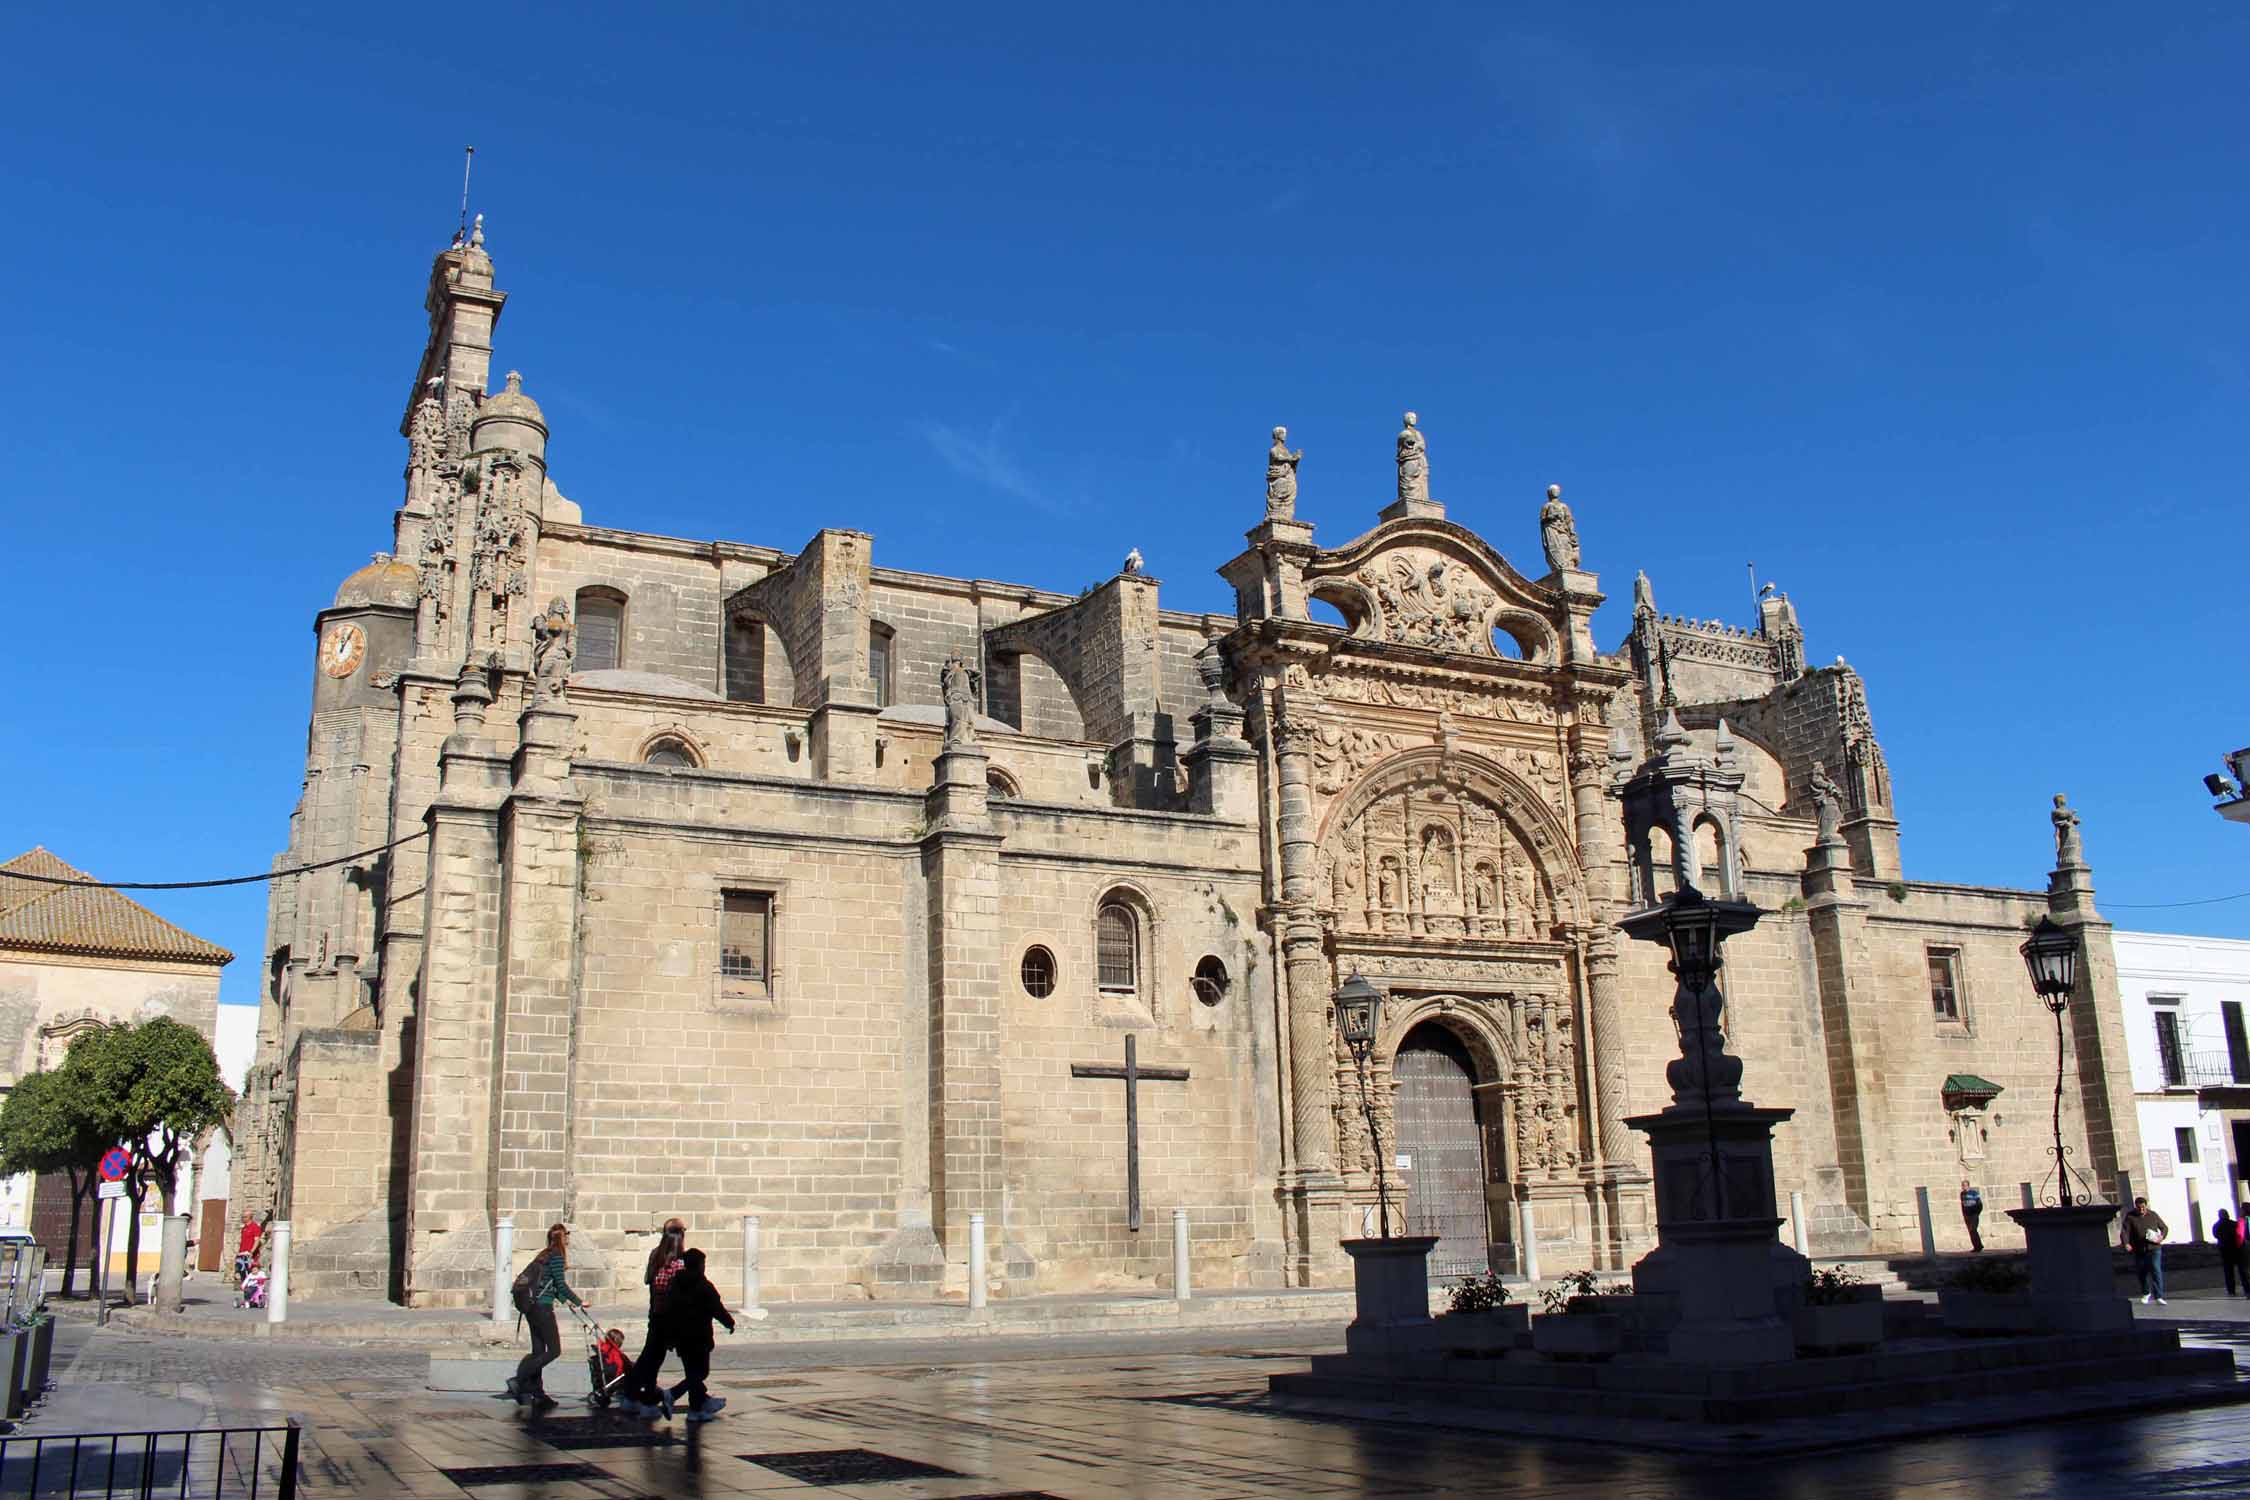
x=1109, y=1417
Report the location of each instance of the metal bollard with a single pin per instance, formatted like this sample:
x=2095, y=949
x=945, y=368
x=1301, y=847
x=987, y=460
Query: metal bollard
x=277, y=1275
x=1929, y=1230
x=503, y=1257
x=1527, y=1239
x=1797, y=1229
x=1180, y=1289
x=2028, y=1201
x=2195, y=1214
x=976, y=1263
x=750, y=1288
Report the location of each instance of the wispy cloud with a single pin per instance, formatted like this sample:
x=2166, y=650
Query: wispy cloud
x=986, y=460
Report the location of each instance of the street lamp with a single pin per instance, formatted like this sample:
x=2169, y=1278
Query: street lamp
x=2051, y=955
x=1359, y=1006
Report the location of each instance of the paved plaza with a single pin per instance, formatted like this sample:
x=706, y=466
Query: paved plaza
x=1175, y=1414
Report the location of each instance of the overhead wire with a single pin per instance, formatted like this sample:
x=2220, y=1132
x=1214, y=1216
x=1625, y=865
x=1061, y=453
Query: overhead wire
x=202, y=885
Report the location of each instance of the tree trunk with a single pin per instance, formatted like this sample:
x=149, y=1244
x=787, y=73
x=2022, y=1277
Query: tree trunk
x=135, y=1191
x=77, y=1208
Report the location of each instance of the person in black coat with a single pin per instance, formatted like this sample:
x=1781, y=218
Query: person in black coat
x=689, y=1312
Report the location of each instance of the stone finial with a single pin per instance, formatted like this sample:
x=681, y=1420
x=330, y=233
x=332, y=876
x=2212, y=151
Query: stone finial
x=515, y=383
x=1727, y=748
x=1281, y=477
x=1644, y=593
x=1558, y=533
x=476, y=235
x=472, y=695
x=1413, y=461
x=1672, y=734
x=2070, y=849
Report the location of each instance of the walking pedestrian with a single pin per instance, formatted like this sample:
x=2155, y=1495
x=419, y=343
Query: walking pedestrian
x=2226, y=1233
x=693, y=1305
x=246, y=1248
x=664, y=1262
x=537, y=1288
x=1972, y=1211
x=2145, y=1233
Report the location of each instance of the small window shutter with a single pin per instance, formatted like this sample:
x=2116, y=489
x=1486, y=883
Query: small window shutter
x=598, y=620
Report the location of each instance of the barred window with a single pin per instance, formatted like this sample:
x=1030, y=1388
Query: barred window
x=1038, y=972
x=746, y=661
x=879, y=662
x=1117, y=949
x=1945, y=983
x=746, y=944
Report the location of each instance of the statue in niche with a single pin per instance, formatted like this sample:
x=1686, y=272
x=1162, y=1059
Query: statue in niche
x=1828, y=801
x=1346, y=879
x=2069, y=849
x=1437, y=867
x=1523, y=901
x=961, y=687
x=1487, y=896
x=1413, y=462
x=1386, y=884
x=1281, y=477
x=1558, y=533
x=552, y=650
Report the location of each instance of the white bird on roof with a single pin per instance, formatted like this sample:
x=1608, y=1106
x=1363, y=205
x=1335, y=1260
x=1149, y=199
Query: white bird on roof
x=1133, y=561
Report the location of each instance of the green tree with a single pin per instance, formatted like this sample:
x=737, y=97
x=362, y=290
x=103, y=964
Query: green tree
x=54, y=1122
x=158, y=1085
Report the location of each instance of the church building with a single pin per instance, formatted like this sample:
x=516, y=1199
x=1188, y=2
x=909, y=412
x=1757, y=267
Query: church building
x=637, y=875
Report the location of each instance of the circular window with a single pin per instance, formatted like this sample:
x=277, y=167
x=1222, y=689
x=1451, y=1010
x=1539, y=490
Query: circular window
x=1038, y=973
x=1211, y=981
x=670, y=753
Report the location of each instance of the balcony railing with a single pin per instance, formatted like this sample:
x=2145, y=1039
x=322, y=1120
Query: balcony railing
x=2202, y=1070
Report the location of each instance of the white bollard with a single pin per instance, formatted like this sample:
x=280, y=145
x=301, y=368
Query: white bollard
x=751, y=1291
x=1527, y=1239
x=976, y=1262
x=2028, y=1202
x=1180, y=1289
x=1797, y=1229
x=503, y=1269
x=1929, y=1230
x=277, y=1274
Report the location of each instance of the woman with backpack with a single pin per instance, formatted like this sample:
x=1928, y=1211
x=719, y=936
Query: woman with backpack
x=690, y=1309
x=537, y=1289
x=664, y=1262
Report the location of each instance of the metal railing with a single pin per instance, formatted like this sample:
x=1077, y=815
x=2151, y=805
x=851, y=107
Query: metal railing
x=212, y=1463
x=2203, y=1069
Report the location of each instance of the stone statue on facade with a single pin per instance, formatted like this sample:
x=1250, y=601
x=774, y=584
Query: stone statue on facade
x=553, y=649
x=1644, y=594
x=1558, y=533
x=1413, y=462
x=1281, y=477
x=1828, y=802
x=961, y=687
x=2068, y=848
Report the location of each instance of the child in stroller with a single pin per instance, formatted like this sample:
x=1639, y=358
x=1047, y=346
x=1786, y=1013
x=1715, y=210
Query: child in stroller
x=607, y=1365
x=252, y=1292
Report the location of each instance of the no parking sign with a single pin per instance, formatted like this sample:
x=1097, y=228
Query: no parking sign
x=116, y=1162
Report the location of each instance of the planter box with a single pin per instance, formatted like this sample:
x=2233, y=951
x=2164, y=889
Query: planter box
x=1494, y=1332
x=1857, y=1324
x=42, y=1356
x=15, y=1362
x=1987, y=1312
x=1578, y=1335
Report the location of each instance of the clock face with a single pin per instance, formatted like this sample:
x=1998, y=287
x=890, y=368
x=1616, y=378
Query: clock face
x=341, y=650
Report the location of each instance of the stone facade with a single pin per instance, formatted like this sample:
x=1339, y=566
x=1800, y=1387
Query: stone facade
x=742, y=900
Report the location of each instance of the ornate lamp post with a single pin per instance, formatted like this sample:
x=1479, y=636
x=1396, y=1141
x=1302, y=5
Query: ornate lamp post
x=2051, y=954
x=1359, y=1007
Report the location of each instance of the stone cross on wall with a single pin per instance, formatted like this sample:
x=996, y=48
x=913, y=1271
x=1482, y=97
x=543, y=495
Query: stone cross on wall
x=1133, y=1074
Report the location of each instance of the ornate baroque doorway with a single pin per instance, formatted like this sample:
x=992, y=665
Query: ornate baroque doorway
x=1442, y=1146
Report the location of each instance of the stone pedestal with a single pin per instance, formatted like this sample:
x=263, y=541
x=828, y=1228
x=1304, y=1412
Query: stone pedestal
x=2073, y=1289
x=1392, y=1281
x=1724, y=1278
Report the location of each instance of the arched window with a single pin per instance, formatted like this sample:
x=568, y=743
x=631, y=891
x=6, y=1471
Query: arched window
x=601, y=630
x=997, y=786
x=671, y=752
x=879, y=638
x=1117, y=949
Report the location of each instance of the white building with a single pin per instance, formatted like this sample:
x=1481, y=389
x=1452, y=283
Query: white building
x=2187, y=1032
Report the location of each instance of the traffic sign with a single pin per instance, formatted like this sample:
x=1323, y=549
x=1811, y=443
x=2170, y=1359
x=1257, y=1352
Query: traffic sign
x=110, y=1190
x=115, y=1163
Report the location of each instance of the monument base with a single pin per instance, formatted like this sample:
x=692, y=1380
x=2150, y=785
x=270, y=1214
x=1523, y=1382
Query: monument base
x=1391, y=1281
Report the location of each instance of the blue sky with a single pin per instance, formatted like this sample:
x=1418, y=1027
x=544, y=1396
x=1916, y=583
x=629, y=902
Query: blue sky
x=1936, y=314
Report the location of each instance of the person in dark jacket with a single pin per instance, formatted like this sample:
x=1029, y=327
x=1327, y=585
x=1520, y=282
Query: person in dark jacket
x=546, y=1286
x=640, y=1394
x=2226, y=1233
x=2145, y=1234
x=693, y=1306
x=1972, y=1214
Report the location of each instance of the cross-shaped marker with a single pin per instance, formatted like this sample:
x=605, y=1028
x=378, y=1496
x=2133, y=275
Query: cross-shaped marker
x=1133, y=1073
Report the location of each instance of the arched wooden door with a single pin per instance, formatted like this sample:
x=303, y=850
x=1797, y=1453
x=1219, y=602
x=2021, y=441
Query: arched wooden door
x=1443, y=1149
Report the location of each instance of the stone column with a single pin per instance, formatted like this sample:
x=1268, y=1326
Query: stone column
x=448, y=1205
x=2097, y=1022
x=1838, y=919
x=961, y=870
x=538, y=974
x=1311, y=1046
